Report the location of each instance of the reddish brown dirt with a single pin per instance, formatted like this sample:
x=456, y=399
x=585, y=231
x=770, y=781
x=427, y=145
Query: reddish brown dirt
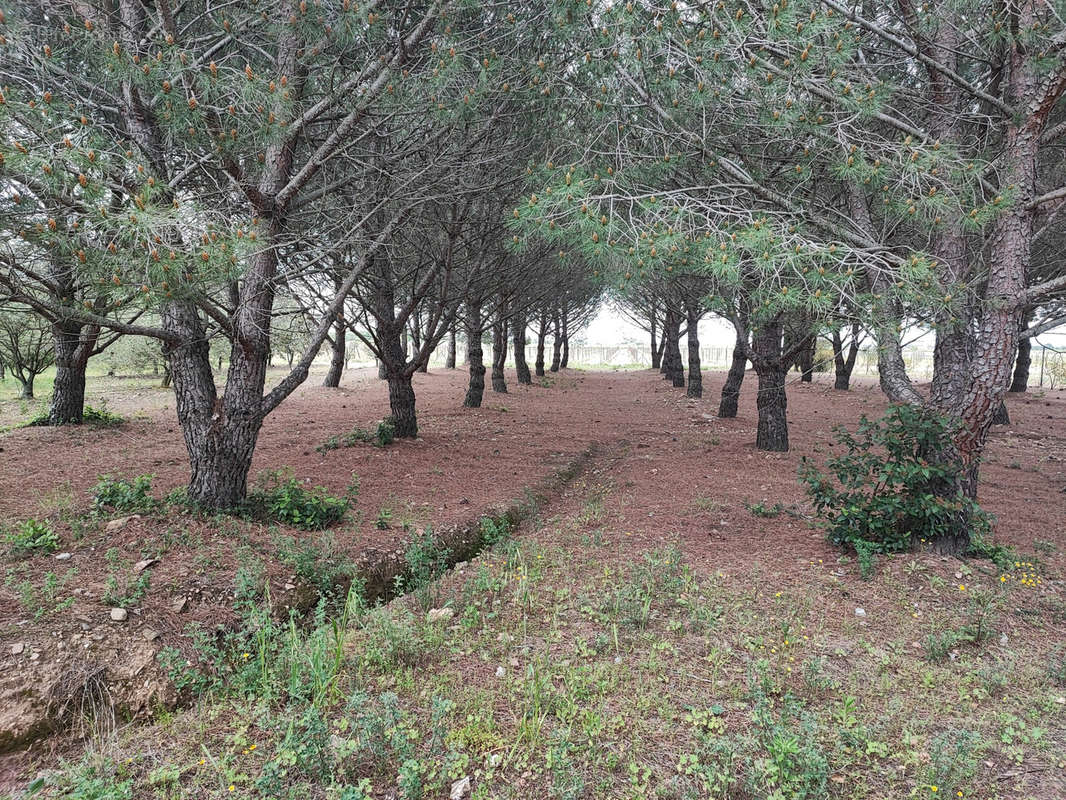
x=678, y=475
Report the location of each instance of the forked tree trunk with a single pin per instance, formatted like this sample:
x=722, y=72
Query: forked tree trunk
x=73, y=345
x=499, y=351
x=475, y=390
x=695, y=378
x=772, y=431
x=518, y=341
x=27, y=386
x=843, y=366
x=658, y=357
x=727, y=408
x=449, y=360
x=557, y=343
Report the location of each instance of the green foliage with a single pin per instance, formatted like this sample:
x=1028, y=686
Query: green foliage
x=761, y=509
x=494, y=530
x=890, y=489
x=121, y=494
x=794, y=767
x=426, y=560
x=317, y=562
x=288, y=499
x=95, y=417
x=123, y=588
x=32, y=536
x=383, y=435
x=953, y=757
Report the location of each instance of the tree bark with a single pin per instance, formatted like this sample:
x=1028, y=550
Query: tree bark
x=449, y=361
x=499, y=350
x=542, y=335
x=672, y=364
x=727, y=408
x=557, y=343
x=1002, y=416
x=518, y=341
x=475, y=390
x=806, y=361
x=1020, y=379
x=843, y=366
x=772, y=432
x=74, y=345
x=695, y=378
x=564, y=360
x=656, y=352
x=339, y=346
x=402, y=405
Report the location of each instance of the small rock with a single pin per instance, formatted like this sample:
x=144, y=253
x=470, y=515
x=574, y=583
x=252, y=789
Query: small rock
x=150, y=635
x=289, y=587
x=440, y=614
x=860, y=612
x=460, y=789
x=1003, y=639
x=179, y=605
x=1061, y=701
x=119, y=614
x=141, y=566
x=120, y=523
x=500, y=672
x=62, y=556
x=17, y=648
x=617, y=659
x=514, y=663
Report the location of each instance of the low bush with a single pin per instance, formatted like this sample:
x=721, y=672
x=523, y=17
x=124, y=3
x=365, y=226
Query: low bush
x=289, y=500
x=121, y=494
x=383, y=435
x=887, y=490
x=32, y=536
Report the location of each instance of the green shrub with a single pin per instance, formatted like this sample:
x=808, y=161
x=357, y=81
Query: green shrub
x=33, y=536
x=886, y=484
x=120, y=494
x=291, y=501
x=96, y=417
x=317, y=561
x=384, y=435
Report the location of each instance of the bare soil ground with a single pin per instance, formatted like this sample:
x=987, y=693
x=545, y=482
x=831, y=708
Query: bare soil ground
x=666, y=473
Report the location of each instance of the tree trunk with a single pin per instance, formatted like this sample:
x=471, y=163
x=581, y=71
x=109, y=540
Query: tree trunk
x=402, y=404
x=476, y=388
x=27, y=386
x=337, y=352
x=672, y=364
x=564, y=359
x=727, y=408
x=542, y=335
x=449, y=361
x=73, y=345
x=1020, y=380
x=518, y=341
x=1002, y=416
x=657, y=356
x=167, y=377
x=499, y=351
x=806, y=361
x=843, y=365
x=557, y=344
x=772, y=432
x=695, y=378
x=656, y=352
x=219, y=435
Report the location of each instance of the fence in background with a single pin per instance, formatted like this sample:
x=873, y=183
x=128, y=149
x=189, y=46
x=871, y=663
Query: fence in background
x=1048, y=368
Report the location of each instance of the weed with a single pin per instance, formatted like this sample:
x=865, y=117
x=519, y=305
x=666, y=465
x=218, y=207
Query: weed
x=383, y=519
x=426, y=560
x=761, y=509
x=94, y=417
x=316, y=561
x=383, y=435
x=1056, y=668
x=120, y=494
x=123, y=589
x=33, y=536
x=287, y=499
